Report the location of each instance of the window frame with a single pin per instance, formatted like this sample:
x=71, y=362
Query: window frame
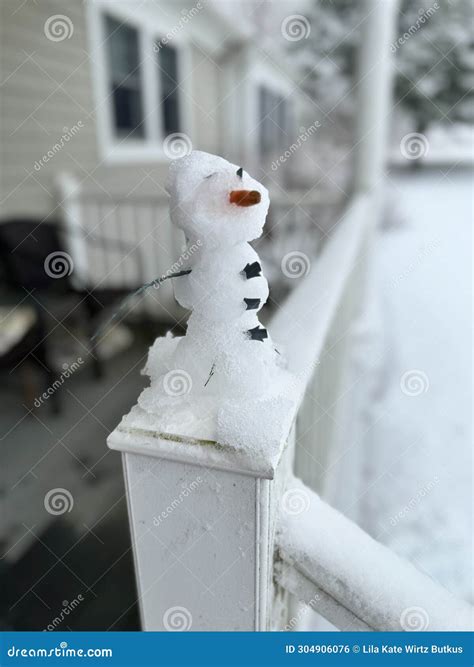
x=115, y=81
x=279, y=103
x=265, y=75
x=113, y=149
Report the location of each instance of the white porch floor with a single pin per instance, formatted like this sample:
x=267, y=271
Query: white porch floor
x=418, y=452
x=407, y=459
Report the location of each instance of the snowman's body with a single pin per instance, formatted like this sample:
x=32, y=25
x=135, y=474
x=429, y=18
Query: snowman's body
x=224, y=332
x=226, y=353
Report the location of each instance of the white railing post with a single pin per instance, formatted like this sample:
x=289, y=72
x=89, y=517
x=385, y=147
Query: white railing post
x=202, y=520
x=69, y=189
x=373, y=90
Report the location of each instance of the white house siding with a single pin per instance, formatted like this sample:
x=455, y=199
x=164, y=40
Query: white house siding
x=46, y=90
x=205, y=102
x=49, y=87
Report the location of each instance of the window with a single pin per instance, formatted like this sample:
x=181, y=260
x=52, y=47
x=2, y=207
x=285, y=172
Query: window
x=273, y=111
x=141, y=78
x=125, y=78
x=168, y=69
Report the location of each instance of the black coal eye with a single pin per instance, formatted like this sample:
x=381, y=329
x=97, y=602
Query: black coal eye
x=240, y=172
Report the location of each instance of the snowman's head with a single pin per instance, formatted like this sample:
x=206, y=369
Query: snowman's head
x=216, y=201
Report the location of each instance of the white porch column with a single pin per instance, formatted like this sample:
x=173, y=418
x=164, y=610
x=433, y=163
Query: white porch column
x=202, y=519
x=373, y=90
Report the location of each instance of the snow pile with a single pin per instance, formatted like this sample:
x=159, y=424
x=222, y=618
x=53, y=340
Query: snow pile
x=416, y=489
x=227, y=366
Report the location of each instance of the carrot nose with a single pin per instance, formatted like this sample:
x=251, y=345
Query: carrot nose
x=245, y=197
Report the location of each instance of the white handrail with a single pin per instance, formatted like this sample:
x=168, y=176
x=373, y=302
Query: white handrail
x=302, y=323
x=357, y=582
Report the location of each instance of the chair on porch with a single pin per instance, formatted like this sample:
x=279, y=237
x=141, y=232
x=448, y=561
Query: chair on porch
x=39, y=296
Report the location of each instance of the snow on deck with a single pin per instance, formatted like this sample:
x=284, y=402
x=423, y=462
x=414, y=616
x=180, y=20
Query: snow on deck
x=417, y=469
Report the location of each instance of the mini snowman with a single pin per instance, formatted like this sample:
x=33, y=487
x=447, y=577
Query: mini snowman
x=227, y=357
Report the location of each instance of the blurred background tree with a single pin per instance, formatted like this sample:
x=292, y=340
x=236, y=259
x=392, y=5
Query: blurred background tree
x=327, y=65
x=326, y=57
x=435, y=66
x=434, y=75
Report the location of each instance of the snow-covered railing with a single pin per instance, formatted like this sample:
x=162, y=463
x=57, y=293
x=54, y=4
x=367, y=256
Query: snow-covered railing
x=322, y=558
x=218, y=544
x=203, y=516
x=332, y=565
x=302, y=324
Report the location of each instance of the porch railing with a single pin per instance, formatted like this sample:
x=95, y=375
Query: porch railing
x=222, y=541
x=119, y=242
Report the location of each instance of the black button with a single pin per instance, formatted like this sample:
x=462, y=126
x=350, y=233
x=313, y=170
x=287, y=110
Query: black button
x=252, y=270
x=257, y=333
x=252, y=304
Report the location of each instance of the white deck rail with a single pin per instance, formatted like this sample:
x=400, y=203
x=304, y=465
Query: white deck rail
x=329, y=563
x=216, y=547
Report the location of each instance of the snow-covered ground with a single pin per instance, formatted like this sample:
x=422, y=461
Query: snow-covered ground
x=442, y=144
x=417, y=454
x=403, y=471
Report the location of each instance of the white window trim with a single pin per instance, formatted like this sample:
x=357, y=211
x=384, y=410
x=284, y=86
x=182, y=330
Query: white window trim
x=113, y=150
x=264, y=76
x=261, y=74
